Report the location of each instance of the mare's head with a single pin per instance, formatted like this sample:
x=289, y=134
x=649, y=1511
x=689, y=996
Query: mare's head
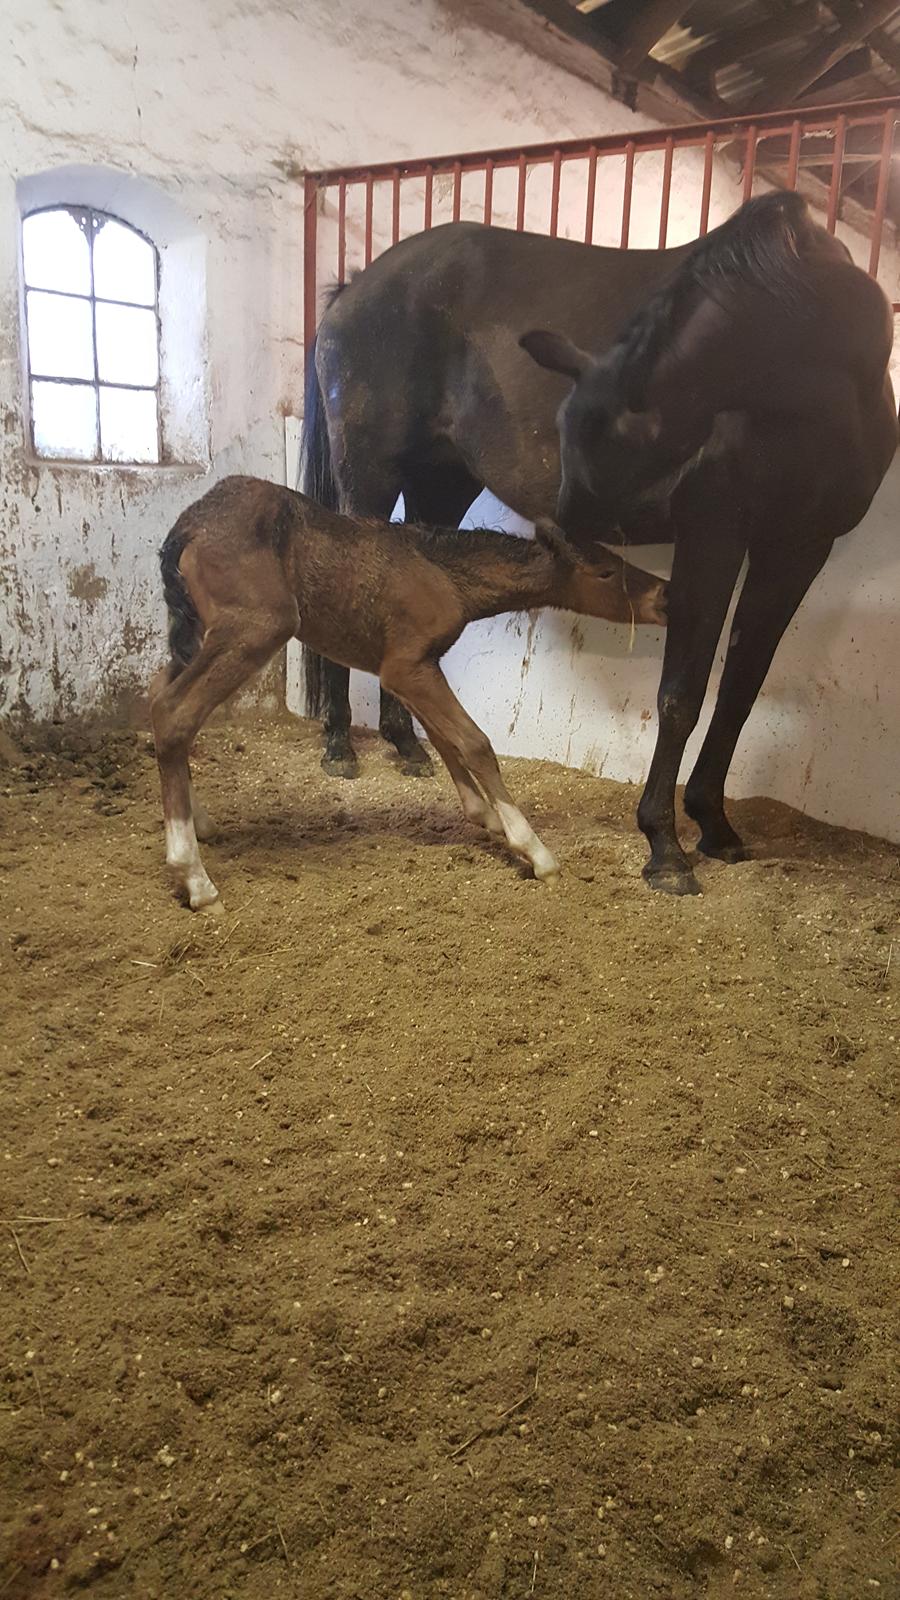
x=613, y=458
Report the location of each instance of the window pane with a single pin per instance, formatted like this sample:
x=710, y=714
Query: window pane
x=126, y=345
x=60, y=336
x=64, y=417
x=124, y=264
x=56, y=253
x=128, y=428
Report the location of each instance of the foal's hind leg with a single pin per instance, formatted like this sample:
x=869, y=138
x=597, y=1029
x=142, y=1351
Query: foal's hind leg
x=228, y=656
x=439, y=495
x=367, y=487
x=776, y=582
x=425, y=690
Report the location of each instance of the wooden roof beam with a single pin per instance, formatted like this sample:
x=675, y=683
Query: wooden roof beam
x=784, y=87
x=652, y=22
x=739, y=43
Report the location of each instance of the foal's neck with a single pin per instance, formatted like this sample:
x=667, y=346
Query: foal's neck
x=505, y=573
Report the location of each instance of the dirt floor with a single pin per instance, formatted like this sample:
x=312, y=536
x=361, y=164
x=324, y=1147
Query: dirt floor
x=414, y=1230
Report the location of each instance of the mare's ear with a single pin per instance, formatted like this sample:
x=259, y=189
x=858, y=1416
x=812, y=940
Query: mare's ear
x=555, y=352
x=549, y=534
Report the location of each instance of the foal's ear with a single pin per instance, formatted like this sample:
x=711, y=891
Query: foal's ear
x=549, y=534
x=555, y=352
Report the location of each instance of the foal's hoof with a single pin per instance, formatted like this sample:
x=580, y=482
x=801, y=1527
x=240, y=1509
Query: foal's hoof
x=341, y=766
x=211, y=908
x=669, y=880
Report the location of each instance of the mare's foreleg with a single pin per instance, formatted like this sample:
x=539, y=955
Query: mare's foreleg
x=777, y=580
x=708, y=555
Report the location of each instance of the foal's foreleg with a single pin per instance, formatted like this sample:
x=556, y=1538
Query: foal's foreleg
x=425, y=690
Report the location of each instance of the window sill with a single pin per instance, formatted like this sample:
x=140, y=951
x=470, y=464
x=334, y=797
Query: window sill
x=165, y=469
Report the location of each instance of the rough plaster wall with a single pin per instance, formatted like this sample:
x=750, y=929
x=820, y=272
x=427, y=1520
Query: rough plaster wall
x=217, y=105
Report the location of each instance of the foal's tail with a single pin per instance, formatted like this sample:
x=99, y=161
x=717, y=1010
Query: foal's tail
x=184, y=622
x=317, y=481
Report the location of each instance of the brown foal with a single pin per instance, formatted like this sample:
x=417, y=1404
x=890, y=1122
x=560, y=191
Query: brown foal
x=251, y=565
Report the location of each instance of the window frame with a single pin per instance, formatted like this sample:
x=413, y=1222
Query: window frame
x=79, y=211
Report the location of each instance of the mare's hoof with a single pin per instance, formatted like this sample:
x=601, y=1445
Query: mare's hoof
x=341, y=766
x=669, y=880
x=731, y=853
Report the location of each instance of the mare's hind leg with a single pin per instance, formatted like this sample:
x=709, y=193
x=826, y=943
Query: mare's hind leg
x=339, y=757
x=438, y=495
x=777, y=580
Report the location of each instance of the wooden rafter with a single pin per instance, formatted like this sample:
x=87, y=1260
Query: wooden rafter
x=879, y=40
x=785, y=86
x=651, y=23
x=738, y=43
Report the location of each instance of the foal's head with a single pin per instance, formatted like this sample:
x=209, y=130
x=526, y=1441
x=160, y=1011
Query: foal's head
x=604, y=585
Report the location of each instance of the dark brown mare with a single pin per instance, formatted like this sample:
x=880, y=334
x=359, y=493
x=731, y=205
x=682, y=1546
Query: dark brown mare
x=744, y=411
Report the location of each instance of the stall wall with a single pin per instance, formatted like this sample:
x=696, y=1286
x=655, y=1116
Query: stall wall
x=198, y=120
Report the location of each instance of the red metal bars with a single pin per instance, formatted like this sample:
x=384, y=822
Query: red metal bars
x=520, y=194
x=709, y=150
x=342, y=231
x=666, y=189
x=370, y=192
x=794, y=154
x=837, y=167
x=488, y=192
x=554, y=195
x=591, y=195
x=884, y=172
x=828, y=123
x=819, y=119
x=750, y=160
x=626, y=197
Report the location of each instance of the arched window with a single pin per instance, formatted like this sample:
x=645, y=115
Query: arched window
x=92, y=316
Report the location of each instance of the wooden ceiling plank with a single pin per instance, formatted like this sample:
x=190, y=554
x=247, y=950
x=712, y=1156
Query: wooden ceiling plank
x=783, y=88
x=739, y=43
x=652, y=23
x=879, y=40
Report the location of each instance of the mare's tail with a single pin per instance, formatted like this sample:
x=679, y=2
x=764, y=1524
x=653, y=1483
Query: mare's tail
x=317, y=481
x=184, y=622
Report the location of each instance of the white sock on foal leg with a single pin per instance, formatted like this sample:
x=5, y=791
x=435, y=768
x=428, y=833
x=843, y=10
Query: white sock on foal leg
x=183, y=860
x=524, y=842
x=204, y=827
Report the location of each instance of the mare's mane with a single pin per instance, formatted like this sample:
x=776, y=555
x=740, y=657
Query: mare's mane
x=759, y=246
